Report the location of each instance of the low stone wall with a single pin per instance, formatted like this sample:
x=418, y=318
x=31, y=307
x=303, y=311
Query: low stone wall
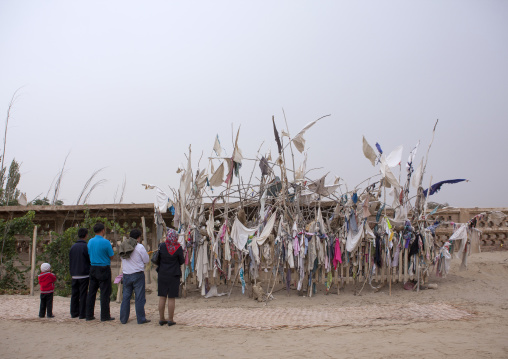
x=493, y=237
x=59, y=218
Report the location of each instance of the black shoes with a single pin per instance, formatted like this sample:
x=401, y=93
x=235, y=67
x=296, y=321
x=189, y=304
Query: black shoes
x=145, y=321
x=168, y=322
x=88, y=319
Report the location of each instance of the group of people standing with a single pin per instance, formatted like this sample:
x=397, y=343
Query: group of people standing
x=90, y=268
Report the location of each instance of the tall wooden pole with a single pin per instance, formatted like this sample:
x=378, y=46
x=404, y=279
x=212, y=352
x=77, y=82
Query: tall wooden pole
x=119, y=291
x=145, y=243
x=34, y=252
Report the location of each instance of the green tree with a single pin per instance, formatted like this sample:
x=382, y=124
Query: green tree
x=45, y=202
x=11, y=277
x=40, y=201
x=9, y=192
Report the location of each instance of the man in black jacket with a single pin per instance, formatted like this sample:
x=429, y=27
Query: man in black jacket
x=79, y=264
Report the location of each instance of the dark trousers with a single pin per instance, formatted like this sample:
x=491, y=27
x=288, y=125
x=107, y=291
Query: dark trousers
x=46, y=305
x=100, y=277
x=78, y=297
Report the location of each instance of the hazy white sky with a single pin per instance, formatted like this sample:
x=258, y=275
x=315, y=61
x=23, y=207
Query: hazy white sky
x=128, y=85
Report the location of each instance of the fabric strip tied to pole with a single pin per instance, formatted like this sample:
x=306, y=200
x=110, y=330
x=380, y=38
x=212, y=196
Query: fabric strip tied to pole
x=460, y=235
x=388, y=174
x=218, y=177
x=216, y=146
x=240, y=234
x=353, y=240
x=394, y=158
x=299, y=141
x=368, y=151
x=260, y=240
x=267, y=230
x=437, y=186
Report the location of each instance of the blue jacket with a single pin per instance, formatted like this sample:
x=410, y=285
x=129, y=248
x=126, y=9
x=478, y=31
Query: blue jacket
x=79, y=261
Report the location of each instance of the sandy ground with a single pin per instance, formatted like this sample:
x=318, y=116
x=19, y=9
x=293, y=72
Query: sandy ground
x=466, y=317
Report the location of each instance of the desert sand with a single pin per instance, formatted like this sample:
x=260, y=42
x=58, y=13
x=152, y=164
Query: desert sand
x=465, y=317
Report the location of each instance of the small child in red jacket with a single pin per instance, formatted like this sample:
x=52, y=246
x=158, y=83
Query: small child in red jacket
x=47, y=282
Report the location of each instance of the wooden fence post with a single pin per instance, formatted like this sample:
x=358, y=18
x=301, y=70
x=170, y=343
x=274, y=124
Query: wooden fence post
x=34, y=252
x=145, y=243
x=119, y=291
x=406, y=265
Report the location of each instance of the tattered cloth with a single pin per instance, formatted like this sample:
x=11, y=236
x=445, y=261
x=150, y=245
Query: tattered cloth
x=437, y=186
x=240, y=234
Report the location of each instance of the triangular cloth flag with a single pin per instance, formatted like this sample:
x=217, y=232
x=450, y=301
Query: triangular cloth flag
x=437, y=186
x=299, y=141
x=216, y=146
x=368, y=151
x=218, y=177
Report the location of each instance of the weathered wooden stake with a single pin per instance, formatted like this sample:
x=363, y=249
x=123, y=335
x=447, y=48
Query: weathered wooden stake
x=418, y=272
x=347, y=272
x=400, y=261
x=390, y=279
x=120, y=285
x=341, y=267
x=145, y=243
x=383, y=268
x=34, y=252
x=406, y=265
x=360, y=257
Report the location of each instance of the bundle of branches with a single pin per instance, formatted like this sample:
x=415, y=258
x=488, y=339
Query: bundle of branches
x=298, y=230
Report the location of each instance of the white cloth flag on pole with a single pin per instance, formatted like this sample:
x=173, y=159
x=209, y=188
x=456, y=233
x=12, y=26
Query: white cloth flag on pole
x=240, y=234
x=412, y=156
x=218, y=176
x=216, y=147
x=415, y=181
x=299, y=141
x=394, y=157
x=368, y=151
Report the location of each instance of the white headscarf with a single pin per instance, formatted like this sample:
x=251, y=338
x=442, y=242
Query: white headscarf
x=45, y=267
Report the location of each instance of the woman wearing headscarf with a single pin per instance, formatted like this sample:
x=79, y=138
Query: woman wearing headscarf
x=171, y=258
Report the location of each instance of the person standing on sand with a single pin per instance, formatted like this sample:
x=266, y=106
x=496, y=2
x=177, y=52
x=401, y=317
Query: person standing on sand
x=47, y=282
x=169, y=274
x=133, y=269
x=101, y=253
x=79, y=265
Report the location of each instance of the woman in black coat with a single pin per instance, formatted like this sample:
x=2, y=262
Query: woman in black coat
x=171, y=258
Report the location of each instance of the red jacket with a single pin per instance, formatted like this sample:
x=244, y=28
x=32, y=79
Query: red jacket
x=46, y=281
